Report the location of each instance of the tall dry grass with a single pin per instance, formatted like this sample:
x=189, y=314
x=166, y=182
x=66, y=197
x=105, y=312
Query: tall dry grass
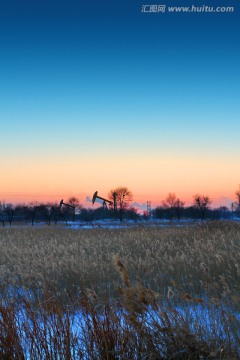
x=138, y=293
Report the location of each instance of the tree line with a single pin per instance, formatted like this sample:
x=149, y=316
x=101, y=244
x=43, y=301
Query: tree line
x=121, y=197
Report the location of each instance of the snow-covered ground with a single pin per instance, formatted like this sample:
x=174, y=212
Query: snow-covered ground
x=117, y=224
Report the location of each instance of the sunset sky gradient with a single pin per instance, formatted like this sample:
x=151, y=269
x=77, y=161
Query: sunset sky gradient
x=98, y=95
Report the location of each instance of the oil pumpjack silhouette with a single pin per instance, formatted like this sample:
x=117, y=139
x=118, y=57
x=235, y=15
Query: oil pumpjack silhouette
x=63, y=203
x=105, y=203
x=59, y=213
x=101, y=200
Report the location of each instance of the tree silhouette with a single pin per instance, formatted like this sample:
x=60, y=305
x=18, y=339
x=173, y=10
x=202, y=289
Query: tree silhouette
x=73, y=201
x=174, y=205
x=202, y=202
x=179, y=205
x=169, y=203
x=121, y=197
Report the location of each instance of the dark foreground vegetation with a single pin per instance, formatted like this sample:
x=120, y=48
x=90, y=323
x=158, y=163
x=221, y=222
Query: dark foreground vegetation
x=138, y=326
x=138, y=293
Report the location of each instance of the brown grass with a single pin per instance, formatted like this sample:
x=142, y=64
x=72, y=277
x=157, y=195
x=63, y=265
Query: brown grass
x=177, y=296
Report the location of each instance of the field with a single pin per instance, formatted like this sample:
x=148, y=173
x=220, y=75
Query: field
x=131, y=293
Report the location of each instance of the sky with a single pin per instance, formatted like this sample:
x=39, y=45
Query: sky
x=95, y=95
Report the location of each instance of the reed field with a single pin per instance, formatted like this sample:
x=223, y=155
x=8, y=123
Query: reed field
x=132, y=293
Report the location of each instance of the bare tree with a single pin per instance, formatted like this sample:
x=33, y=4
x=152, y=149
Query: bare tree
x=74, y=201
x=169, y=203
x=237, y=203
x=202, y=202
x=10, y=210
x=121, y=197
x=49, y=210
x=173, y=204
x=179, y=205
x=1, y=213
x=32, y=209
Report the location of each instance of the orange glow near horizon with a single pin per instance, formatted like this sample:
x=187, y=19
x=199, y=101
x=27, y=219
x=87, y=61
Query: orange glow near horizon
x=149, y=178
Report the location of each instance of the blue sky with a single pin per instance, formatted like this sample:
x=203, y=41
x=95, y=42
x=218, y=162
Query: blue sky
x=84, y=79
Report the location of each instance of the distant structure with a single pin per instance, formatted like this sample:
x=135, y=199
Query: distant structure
x=101, y=200
x=63, y=203
x=149, y=209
